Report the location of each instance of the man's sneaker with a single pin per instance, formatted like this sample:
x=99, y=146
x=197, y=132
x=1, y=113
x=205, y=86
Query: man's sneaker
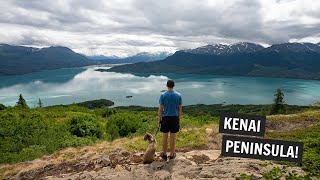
x=173, y=156
x=163, y=156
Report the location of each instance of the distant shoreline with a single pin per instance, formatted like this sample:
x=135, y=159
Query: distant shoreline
x=110, y=104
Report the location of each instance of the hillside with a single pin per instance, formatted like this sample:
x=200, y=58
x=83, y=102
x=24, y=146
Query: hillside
x=92, y=104
x=289, y=60
x=78, y=143
x=22, y=60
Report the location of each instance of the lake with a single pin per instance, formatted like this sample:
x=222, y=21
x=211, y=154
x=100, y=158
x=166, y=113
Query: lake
x=65, y=86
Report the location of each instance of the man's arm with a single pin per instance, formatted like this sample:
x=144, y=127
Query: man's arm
x=180, y=112
x=160, y=113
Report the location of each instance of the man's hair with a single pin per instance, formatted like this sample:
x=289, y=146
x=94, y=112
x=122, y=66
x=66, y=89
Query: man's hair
x=170, y=83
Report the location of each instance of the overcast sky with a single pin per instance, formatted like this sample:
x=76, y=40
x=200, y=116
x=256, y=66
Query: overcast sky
x=126, y=27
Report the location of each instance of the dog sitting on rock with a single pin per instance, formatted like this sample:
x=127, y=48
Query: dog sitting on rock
x=149, y=155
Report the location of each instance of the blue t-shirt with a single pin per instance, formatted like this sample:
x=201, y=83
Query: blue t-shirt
x=171, y=101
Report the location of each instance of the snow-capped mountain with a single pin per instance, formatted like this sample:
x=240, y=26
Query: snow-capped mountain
x=292, y=60
x=244, y=47
x=140, y=57
x=294, y=47
x=146, y=56
x=101, y=57
x=223, y=49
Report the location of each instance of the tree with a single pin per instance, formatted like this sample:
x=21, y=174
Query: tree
x=2, y=107
x=21, y=102
x=40, y=103
x=278, y=103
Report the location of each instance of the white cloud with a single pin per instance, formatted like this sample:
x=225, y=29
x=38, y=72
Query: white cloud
x=125, y=27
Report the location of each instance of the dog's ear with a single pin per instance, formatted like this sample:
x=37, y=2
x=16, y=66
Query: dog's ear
x=147, y=136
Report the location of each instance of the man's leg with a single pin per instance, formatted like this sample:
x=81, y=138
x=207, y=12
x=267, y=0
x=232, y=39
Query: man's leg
x=172, y=143
x=164, y=143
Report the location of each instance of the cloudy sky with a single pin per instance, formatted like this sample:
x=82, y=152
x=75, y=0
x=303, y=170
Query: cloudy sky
x=126, y=27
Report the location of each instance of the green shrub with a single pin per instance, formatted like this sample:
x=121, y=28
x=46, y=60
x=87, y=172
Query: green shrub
x=113, y=131
x=32, y=152
x=294, y=176
x=75, y=108
x=197, y=121
x=25, y=135
x=274, y=174
x=83, y=126
x=277, y=174
x=124, y=124
x=105, y=112
x=245, y=176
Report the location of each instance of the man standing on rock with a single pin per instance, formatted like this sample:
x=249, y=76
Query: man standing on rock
x=169, y=115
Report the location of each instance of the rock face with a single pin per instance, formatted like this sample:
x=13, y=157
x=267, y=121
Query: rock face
x=118, y=165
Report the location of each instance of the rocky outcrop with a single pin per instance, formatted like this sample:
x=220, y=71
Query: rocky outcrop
x=119, y=164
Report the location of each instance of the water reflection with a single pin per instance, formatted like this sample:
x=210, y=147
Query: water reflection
x=55, y=76
x=81, y=84
x=86, y=85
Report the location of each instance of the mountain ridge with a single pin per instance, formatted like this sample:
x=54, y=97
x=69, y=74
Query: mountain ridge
x=21, y=60
x=222, y=49
x=288, y=60
x=140, y=57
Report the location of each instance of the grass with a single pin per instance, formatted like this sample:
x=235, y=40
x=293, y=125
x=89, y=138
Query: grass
x=185, y=139
x=302, y=116
x=310, y=136
x=27, y=134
